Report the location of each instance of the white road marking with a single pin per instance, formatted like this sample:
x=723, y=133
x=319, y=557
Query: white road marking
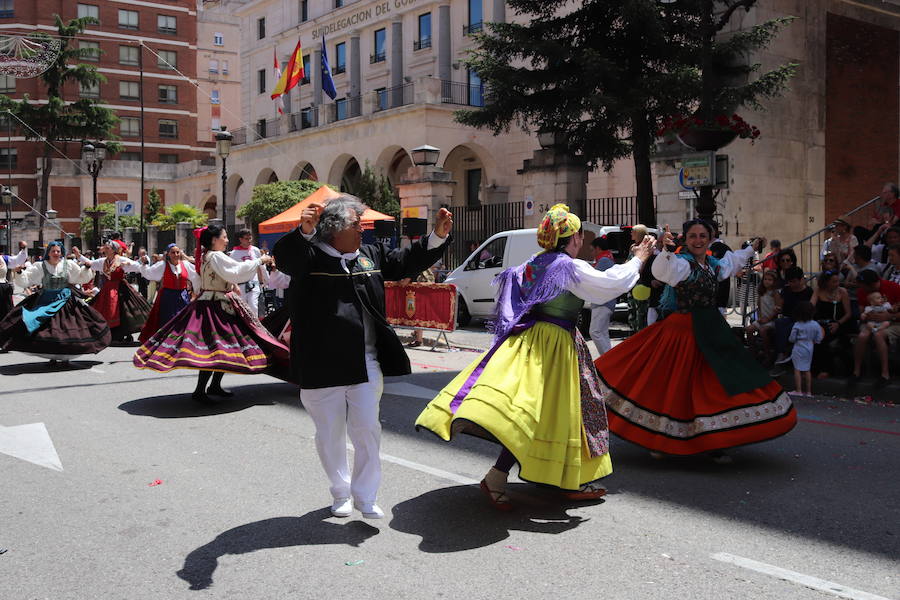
x=815, y=583
x=96, y=370
x=30, y=442
x=430, y=470
x=403, y=388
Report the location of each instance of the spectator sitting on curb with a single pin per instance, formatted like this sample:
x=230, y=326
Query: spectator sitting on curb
x=870, y=282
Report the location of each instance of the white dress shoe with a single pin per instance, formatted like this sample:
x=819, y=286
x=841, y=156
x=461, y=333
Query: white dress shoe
x=342, y=507
x=369, y=511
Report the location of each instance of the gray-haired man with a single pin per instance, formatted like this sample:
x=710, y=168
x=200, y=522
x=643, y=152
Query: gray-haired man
x=342, y=344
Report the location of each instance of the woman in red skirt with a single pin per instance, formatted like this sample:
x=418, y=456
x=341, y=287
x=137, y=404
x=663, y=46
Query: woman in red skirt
x=177, y=278
x=686, y=385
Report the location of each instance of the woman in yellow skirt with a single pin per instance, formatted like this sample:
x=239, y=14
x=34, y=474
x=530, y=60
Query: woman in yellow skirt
x=536, y=391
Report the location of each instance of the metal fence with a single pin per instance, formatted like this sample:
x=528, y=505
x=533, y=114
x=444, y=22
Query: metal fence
x=462, y=93
x=615, y=210
x=393, y=97
x=477, y=223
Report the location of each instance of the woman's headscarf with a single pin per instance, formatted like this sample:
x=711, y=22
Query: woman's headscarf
x=557, y=223
x=50, y=245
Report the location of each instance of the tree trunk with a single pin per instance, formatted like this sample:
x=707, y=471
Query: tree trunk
x=44, y=195
x=643, y=173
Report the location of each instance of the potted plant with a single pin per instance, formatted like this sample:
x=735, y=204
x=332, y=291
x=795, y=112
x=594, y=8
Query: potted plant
x=707, y=134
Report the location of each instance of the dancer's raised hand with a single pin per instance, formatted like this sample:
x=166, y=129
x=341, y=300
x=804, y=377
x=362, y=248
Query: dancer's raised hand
x=309, y=218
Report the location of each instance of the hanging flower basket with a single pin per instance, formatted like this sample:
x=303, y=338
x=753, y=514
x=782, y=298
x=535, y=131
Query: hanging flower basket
x=706, y=139
x=706, y=135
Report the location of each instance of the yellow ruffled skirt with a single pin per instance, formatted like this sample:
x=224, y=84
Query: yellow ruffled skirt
x=527, y=398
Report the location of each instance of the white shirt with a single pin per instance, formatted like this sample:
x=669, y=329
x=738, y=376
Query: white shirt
x=599, y=287
x=232, y=271
x=251, y=253
x=156, y=271
x=34, y=274
x=672, y=270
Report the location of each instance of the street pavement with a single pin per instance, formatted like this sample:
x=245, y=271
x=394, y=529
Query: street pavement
x=115, y=485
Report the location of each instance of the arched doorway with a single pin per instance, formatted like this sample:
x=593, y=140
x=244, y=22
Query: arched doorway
x=468, y=168
x=351, y=177
x=211, y=207
x=304, y=170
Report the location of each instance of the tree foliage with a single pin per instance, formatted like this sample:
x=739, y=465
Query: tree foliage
x=271, y=199
x=378, y=193
x=180, y=213
x=153, y=207
x=605, y=74
x=107, y=220
x=54, y=121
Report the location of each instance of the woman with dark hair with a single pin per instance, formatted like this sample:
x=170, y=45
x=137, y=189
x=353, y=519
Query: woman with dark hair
x=217, y=333
x=536, y=391
x=831, y=304
x=686, y=385
x=176, y=276
x=55, y=322
x=785, y=260
x=124, y=309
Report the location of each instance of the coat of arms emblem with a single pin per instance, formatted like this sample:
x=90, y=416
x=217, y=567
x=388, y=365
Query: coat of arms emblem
x=410, y=304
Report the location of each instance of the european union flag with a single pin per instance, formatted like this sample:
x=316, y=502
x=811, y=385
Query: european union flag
x=327, y=81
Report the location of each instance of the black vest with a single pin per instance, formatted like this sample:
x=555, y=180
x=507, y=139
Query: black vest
x=327, y=304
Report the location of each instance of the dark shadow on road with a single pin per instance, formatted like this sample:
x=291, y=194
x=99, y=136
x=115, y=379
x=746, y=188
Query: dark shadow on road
x=459, y=518
x=44, y=366
x=179, y=406
x=310, y=529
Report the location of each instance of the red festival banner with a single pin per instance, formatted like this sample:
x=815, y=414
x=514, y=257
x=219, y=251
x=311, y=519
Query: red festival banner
x=421, y=305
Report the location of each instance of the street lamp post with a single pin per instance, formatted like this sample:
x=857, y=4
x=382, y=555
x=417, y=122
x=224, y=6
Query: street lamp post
x=6, y=196
x=94, y=154
x=223, y=149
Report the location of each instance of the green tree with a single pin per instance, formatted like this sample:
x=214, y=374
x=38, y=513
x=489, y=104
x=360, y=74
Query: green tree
x=55, y=120
x=271, y=199
x=180, y=213
x=107, y=221
x=605, y=75
x=153, y=208
x=376, y=191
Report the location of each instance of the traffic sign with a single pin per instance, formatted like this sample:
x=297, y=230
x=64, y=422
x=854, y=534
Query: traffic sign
x=124, y=208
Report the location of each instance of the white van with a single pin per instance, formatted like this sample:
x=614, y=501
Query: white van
x=506, y=249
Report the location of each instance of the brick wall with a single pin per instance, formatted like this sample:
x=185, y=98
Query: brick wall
x=862, y=106
x=66, y=201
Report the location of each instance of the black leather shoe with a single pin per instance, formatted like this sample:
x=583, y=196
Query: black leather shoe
x=219, y=391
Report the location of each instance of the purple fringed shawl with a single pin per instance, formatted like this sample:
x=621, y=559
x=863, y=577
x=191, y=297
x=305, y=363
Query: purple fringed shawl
x=541, y=279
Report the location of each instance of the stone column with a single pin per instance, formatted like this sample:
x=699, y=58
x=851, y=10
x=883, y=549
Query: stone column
x=152, y=231
x=315, y=65
x=550, y=176
x=499, y=13
x=355, y=70
x=423, y=190
x=128, y=235
x=443, y=42
x=183, y=231
x=397, y=61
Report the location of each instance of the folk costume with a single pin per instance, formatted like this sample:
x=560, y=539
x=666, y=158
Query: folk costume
x=125, y=310
x=278, y=323
x=536, y=391
x=342, y=346
x=217, y=331
x=173, y=294
x=251, y=289
x=686, y=385
x=55, y=322
x=6, y=289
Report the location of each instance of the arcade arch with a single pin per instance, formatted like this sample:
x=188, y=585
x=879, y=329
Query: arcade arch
x=470, y=166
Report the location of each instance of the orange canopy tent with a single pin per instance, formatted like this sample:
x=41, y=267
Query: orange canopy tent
x=290, y=218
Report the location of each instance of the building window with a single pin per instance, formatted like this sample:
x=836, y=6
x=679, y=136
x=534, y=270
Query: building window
x=306, y=70
x=381, y=99
x=340, y=58
x=6, y=9
x=424, y=40
x=128, y=55
x=218, y=39
x=476, y=89
x=378, y=49
x=128, y=19
x=304, y=11
x=90, y=51
x=129, y=90
x=168, y=128
x=261, y=128
x=9, y=158
x=88, y=10
x=129, y=156
x=338, y=3
x=7, y=84
x=214, y=96
x=260, y=28
x=473, y=187
x=261, y=81
x=89, y=90
x=166, y=24
x=168, y=159
x=224, y=67
x=130, y=126
x=476, y=18
x=167, y=60
x=340, y=109
x=168, y=94
x=213, y=66
x=307, y=119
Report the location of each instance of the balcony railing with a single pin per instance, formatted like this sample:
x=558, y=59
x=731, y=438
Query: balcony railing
x=473, y=28
x=462, y=93
x=422, y=43
x=393, y=97
x=338, y=69
x=377, y=58
x=347, y=108
x=305, y=119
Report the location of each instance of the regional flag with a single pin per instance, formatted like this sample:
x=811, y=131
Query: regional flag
x=279, y=101
x=327, y=81
x=292, y=74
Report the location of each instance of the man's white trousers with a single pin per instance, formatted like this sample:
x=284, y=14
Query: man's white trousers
x=349, y=410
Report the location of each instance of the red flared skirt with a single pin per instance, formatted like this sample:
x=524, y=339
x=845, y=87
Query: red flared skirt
x=666, y=396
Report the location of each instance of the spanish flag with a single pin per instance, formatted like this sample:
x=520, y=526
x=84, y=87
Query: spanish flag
x=292, y=74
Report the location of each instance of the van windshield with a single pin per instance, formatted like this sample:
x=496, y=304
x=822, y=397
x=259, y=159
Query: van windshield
x=489, y=256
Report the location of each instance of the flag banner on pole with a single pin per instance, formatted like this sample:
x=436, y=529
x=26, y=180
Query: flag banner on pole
x=292, y=74
x=279, y=101
x=327, y=81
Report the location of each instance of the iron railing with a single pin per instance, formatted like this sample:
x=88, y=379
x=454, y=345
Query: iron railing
x=307, y=118
x=615, y=210
x=477, y=223
x=392, y=97
x=453, y=92
x=421, y=44
x=473, y=28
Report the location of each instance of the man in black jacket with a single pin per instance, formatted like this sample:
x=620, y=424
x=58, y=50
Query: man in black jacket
x=342, y=345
